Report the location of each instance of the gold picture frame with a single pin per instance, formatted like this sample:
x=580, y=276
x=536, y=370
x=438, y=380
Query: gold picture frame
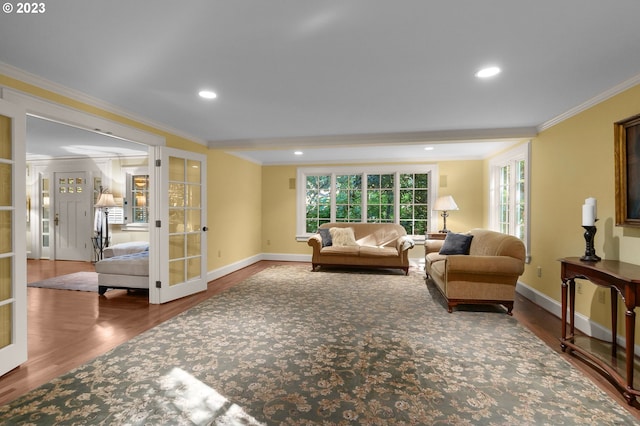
x=627, y=171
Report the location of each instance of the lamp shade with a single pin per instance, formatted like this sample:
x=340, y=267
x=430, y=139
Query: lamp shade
x=445, y=203
x=106, y=200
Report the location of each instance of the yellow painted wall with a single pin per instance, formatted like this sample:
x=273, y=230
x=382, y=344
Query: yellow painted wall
x=279, y=211
x=234, y=194
x=464, y=181
x=571, y=161
x=461, y=179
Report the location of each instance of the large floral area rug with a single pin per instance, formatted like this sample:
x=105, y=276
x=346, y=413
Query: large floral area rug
x=294, y=347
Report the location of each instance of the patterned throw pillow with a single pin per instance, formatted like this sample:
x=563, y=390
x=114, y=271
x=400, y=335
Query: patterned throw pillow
x=326, y=236
x=456, y=244
x=343, y=237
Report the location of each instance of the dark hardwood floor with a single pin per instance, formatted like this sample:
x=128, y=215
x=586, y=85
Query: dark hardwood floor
x=69, y=328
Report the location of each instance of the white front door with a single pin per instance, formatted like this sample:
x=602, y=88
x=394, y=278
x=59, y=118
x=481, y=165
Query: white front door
x=13, y=228
x=72, y=216
x=178, y=269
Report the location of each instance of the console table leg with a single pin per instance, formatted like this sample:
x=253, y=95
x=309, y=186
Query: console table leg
x=564, y=315
x=614, y=323
x=572, y=308
x=630, y=331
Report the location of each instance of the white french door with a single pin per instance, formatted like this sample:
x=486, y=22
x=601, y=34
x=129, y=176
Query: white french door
x=178, y=269
x=71, y=216
x=13, y=252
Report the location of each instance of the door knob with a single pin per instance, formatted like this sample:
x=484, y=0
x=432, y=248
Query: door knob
x=56, y=219
x=205, y=229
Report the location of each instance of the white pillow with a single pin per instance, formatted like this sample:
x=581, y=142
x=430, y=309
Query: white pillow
x=343, y=237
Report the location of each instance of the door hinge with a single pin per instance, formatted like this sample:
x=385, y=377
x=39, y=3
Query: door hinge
x=158, y=284
x=158, y=163
x=158, y=224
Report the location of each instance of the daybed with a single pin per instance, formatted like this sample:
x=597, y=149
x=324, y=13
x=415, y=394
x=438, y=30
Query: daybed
x=370, y=245
x=124, y=266
x=486, y=274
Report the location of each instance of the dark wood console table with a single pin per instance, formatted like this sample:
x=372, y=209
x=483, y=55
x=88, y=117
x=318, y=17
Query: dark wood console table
x=621, y=278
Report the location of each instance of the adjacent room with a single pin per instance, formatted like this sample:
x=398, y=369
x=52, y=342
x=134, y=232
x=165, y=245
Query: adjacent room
x=319, y=212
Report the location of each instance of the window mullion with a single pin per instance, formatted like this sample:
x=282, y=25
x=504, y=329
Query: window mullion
x=365, y=197
x=333, y=197
x=396, y=198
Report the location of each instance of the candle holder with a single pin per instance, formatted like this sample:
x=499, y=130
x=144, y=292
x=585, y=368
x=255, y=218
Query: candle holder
x=590, y=251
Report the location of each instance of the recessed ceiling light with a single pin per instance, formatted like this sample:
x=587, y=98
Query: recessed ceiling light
x=488, y=72
x=298, y=153
x=429, y=148
x=207, y=94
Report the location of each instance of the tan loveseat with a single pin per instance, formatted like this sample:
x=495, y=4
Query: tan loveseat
x=487, y=275
x=376, y=245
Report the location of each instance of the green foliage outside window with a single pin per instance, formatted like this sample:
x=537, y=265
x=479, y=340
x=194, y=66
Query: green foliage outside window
x=349, y=198
x=383, y=194
x=414, y=202
x=318, y=193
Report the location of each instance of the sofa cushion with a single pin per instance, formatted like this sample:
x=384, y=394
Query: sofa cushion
x=456, y=244
x=334, y=250
x=326, y=237
x=371, y=251
x=343, y=237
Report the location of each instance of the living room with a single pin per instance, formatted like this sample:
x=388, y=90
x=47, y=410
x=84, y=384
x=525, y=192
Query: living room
x=253, y=214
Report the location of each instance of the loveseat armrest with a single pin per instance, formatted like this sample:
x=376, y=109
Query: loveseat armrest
x=486, y=265
x=315, y=241
x=432, y=246
x=404, y=242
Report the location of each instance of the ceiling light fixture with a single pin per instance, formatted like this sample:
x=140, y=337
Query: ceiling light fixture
x=429, y=148
x=488, y=72
x=207, y=94
x=298, y=153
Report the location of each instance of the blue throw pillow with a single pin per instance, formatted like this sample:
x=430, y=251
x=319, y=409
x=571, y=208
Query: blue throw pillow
x=326, y=237
x=456, y=243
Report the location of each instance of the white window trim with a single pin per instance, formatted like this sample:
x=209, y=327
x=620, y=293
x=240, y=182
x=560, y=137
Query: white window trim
x=303, y=172
x=521, y=152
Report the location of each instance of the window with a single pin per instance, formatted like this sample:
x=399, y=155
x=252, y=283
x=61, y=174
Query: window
x=136, y=202
x=384, y=194
x=139, y=196
x=509, y=193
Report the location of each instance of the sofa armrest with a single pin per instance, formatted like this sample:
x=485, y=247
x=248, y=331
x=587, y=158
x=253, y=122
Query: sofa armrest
x=404, y=242
x=432, y=246
x=501, y=265
x=315, y=241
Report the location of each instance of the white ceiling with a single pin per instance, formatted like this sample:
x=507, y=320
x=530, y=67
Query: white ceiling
x=322, y=74
x=47, y=139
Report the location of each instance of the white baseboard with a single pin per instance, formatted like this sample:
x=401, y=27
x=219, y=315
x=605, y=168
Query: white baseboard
x=582, y=322
x=227, y=269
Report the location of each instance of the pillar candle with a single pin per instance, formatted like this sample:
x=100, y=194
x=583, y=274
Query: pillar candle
x=588, y=215
x=592, y=202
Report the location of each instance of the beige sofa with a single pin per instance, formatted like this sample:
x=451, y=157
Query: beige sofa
x=487, y=275
x=374, y=245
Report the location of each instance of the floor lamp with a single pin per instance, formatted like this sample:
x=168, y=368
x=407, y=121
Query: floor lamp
x=104, y=202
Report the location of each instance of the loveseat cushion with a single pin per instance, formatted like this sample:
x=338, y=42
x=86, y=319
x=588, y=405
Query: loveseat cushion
x=456, y=243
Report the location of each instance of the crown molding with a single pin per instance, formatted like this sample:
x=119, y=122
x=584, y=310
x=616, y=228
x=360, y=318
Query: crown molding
x=463, y=135
x=76, y=95
x=633, y=81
